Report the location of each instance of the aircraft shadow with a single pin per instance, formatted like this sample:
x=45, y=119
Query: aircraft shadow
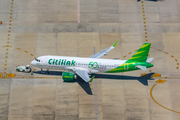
x=86, y=87
x=142, y=79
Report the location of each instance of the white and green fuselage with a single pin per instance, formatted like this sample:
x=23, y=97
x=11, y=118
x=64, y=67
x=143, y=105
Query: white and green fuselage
x=93, y=65
x=84, y=66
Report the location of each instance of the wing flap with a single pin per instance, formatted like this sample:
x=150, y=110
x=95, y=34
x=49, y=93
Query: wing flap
x=82, y=73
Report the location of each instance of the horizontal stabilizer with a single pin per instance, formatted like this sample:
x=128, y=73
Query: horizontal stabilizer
x=149, y=60
x=141, y=67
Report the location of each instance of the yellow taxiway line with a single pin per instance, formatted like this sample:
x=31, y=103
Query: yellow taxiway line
x=159, y=103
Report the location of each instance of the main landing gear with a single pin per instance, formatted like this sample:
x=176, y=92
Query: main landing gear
x=47, y=72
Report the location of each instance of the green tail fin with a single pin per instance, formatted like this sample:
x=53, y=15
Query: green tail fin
x=141, y=55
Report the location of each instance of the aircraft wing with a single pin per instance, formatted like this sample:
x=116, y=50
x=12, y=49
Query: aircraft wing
x=103, y=52
x=83, y=73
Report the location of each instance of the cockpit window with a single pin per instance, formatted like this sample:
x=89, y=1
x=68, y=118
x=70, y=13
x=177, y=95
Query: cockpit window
x=37, y=60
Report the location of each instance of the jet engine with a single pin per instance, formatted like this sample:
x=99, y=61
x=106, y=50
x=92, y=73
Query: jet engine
x=69, y=77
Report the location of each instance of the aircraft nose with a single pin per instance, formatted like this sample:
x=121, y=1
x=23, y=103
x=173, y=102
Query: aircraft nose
x=33, y=63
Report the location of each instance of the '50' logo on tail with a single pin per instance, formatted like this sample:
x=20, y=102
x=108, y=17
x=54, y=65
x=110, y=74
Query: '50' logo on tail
x=93, y=65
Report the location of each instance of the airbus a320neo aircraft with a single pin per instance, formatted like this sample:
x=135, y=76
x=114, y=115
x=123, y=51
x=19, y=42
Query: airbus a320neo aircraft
x=84, y=66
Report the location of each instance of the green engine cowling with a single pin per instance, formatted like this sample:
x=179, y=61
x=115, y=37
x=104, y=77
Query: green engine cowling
x=68, y=77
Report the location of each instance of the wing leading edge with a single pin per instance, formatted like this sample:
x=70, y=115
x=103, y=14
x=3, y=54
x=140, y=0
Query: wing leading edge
x=103, y=52
x=83, y=73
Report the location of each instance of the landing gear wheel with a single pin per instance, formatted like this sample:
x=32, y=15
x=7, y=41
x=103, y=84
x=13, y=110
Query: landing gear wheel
x=47, y=71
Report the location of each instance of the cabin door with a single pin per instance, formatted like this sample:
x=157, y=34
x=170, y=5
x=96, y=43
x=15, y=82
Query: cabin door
x=126, y=66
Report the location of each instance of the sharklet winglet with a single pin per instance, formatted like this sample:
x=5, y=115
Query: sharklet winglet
x=92, y=79
x=115, y=43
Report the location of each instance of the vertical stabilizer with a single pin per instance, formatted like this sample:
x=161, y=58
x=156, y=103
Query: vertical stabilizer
x=141, y=55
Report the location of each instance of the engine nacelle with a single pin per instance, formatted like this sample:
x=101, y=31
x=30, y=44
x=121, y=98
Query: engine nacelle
x=68, y=77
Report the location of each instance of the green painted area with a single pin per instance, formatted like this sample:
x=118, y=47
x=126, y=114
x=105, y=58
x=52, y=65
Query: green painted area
x=139, y=58
x=141, y=55
x=115, y=43
x=92, y=79
x=68, y=77
x=61, y=62
x=93, y=65
x=129, y=67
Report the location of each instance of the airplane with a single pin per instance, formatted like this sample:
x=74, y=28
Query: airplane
x=83, y=67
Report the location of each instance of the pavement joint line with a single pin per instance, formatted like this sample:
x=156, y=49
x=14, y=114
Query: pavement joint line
x=159, y=103
x=78, y=11
x=61, y=77
x=96, y=99
x=17, y=76
x=126, y=22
